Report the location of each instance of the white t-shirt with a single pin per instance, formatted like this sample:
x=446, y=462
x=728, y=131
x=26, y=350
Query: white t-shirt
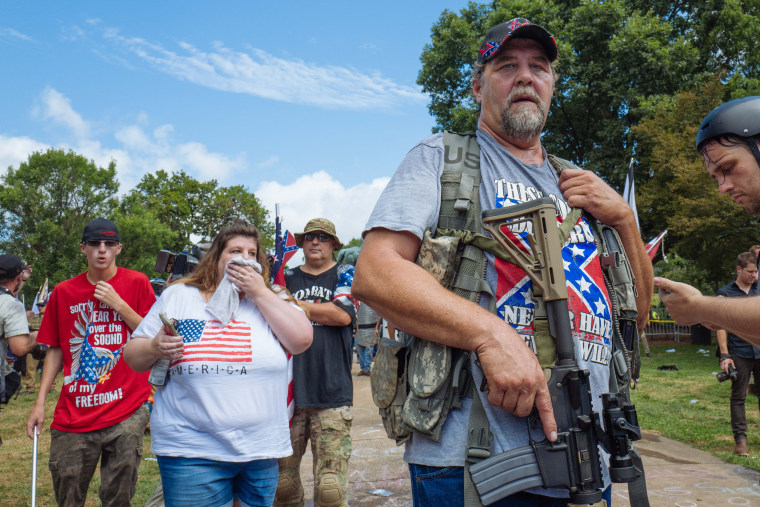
x=226, y=398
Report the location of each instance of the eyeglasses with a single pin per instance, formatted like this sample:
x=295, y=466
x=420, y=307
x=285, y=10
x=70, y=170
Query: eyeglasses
x=96, y=244
x=322, y=236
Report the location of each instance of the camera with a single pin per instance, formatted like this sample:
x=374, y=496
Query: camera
x=723, y=376
x=179, y=264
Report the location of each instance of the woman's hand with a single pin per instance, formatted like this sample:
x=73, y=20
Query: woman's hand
x=166, y=346
x=247, y=279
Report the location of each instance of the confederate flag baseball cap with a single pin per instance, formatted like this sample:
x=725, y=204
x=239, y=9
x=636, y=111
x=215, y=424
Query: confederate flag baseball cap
x=100, y=229
x=513, y=29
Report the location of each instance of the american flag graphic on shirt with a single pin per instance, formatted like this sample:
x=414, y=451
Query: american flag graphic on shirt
x=210, y=341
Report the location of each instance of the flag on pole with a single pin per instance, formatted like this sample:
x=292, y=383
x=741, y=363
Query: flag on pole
x=42, y=295
x=654, y=245
x=284, y=248
x=629, y=193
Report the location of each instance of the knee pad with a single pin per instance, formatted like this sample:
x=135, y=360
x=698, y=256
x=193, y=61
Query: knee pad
x=289, y=491
x=330, y=491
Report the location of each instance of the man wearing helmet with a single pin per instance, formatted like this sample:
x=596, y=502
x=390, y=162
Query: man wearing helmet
x=728, y=140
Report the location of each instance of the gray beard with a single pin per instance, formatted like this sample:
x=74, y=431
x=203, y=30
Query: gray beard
x=525, y=124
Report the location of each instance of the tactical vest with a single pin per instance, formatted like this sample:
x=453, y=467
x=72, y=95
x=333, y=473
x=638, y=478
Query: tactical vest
x=416, y=382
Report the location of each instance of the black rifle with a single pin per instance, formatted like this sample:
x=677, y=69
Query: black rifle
x=573, y=461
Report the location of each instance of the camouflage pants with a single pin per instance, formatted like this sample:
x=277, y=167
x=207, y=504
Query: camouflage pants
x=74, y=457
x=330, y=433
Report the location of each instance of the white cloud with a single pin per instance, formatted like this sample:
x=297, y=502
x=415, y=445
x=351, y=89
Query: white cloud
x=135, y=149
x=10, y=33
x=14, y=150
x=56, y=107
x=258, y=73
x=271, y=161
x=320, y=195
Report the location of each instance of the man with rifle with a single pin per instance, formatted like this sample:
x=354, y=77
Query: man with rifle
x=425, y=236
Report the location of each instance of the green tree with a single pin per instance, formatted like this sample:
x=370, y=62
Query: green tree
x=235, y=202
x=705, y=228
x=142, y=236
x=617, y=61
x=45, y=204
x=193, y=208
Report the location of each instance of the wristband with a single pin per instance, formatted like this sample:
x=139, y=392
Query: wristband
x=723, y=357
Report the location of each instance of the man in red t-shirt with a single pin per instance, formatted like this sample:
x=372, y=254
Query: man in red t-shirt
x=100, y=412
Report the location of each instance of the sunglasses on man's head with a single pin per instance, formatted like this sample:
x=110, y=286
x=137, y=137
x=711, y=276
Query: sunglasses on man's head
x=322, y=236
x=96, y=244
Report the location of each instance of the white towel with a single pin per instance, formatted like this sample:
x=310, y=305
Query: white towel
x=225, y=301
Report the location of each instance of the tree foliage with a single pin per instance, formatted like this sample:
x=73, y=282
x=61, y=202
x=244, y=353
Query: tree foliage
x=44, y=206
x=703, y=225
x=635, y=79
x=617, y=60
x=194, y=208
x=47, y=201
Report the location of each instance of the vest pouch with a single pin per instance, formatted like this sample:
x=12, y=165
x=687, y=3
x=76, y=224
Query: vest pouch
x=439, y=256
x=389, y=386
x=429, y=398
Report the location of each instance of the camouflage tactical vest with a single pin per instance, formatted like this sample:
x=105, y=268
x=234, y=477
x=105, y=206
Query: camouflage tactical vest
x=416, y=382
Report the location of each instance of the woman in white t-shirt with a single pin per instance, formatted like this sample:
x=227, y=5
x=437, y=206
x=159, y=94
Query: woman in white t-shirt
x=221, y=421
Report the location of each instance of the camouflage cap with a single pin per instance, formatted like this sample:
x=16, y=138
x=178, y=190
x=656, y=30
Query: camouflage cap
x=318, y=225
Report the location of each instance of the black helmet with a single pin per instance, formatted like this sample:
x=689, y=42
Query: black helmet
x=740, y=117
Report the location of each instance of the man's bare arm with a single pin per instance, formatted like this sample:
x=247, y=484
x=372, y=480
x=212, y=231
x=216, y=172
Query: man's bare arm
x=53, y=364
x=389, y=281
x=328, y=314
x=20, y=344
x=641, y=266
x=688, y=306
x=584, y=189
x=723, y=346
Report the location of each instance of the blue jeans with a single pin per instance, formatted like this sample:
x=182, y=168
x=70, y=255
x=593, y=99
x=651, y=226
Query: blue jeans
x=437, y=486
x=365, y=356
x=195, y=481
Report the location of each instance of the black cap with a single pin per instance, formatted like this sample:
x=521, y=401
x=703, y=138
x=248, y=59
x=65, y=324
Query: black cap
x=100, y=229
x=10, y=266
x=740, y=117
x=514, y=29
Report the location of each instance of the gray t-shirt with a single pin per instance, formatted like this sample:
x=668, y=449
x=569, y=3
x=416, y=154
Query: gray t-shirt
x=12, y=317
x=411, y=202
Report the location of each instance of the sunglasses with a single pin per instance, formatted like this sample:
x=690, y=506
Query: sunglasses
x=96, y=244
x=322, y=236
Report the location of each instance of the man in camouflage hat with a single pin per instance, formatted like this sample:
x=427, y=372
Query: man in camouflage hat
x=322, y=375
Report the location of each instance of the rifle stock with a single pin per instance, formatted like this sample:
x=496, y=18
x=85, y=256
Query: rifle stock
x=573, y=461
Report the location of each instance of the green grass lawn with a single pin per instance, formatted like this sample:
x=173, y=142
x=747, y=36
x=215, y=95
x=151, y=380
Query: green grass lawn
x=16, y=459
x=690, y=405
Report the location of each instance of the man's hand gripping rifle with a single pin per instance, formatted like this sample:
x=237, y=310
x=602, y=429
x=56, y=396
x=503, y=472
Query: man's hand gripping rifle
x=573, y=461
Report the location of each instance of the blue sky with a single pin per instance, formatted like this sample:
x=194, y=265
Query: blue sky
x=312, y=105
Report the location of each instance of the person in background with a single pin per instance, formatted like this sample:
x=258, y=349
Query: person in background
x=322, y=375
x=735, y=352
x=101, y=414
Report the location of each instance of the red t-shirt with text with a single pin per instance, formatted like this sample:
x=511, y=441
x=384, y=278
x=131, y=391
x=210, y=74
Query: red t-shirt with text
x=99, y=388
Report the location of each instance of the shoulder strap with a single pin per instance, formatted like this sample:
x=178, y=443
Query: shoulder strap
x=460, y=182
x=460, y=216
